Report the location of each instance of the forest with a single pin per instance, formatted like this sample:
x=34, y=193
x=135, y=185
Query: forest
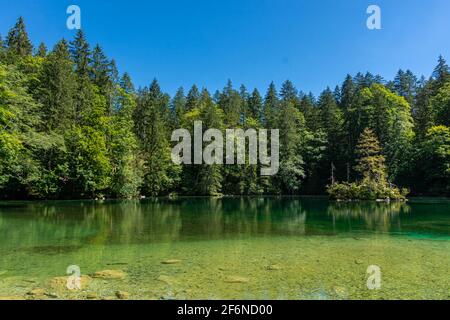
x=72, y=127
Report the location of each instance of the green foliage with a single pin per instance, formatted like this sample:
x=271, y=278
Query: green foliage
x=18, y=42
x=371, y=167
x=441, y=73
x=151, y=124
x=406, y=86
x=440, y=104
x=271, y=107
x=17, y=118
x=368, y=192
x=255, y=106
x=433, y=161
x=332, y=121
x=370, y=163
x=72, y=127
x=291, y=124
x=81, y=54
x=89, y=164
x=41, y=51
x=232, y=104
x=389, y=116
x=56, y=90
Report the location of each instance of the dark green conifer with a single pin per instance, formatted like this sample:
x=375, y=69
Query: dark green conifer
x=18, y=41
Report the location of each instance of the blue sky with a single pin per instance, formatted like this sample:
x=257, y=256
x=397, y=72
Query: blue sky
x=314, y=43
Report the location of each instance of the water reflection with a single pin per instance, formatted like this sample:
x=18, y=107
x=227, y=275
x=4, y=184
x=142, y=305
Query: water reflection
x=377, y=216
x=194, y=219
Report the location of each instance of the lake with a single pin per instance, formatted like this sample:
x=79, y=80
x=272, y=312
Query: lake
x=231, y=248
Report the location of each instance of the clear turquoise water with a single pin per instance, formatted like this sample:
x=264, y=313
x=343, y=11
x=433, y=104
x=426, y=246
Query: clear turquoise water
x=233, y=248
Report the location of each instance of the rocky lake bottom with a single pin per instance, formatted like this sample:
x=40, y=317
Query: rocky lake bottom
x=206, y=250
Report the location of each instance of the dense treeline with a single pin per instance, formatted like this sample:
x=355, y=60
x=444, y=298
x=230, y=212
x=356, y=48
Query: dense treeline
x=72, y=127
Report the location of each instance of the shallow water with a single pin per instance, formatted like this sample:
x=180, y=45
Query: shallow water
x=242, y=248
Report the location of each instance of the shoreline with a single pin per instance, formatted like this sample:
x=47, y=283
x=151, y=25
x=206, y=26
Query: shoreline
x=316, y=197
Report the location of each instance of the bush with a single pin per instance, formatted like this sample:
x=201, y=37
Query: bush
x=355, y=191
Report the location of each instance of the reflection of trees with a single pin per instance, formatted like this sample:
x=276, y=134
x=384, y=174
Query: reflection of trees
x=377, y=216
x=242, y=217
x=163, y=220
x=66, y=223
x=159, y=220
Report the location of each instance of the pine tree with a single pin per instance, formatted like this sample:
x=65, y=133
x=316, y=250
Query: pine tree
x=178, y=106
x=332, y=121
x=113, y=72
x=310, y=112
x=432, y=100
x=347, y=103
x=81, y=54
x=112, y=87
x=371, y=163
x=18, y=41
x=216, y=97
x=271, y=107
x=57, y=89
x=289, y=93
x=255, y=105
x=151, y=128
x=347, y=93
x=250, y=181
x=440, y=105
x=100, y=69
x=292, y=130
x=423, y=113
x=42, y=50
x=405, y=85
x=231, y=103
x=244, y=95
x=442, y=72
x=210, y=176
x=192, y=98
x=126, y=83
x=367, y=80
x=337, y=95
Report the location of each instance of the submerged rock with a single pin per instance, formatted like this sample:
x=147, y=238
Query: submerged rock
x=122, y=295
x=52, y=295
x=92, y=296
x=274, y=267
x=36, y=292
x=236, y=279
x=60, y=283
x=110, y=275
